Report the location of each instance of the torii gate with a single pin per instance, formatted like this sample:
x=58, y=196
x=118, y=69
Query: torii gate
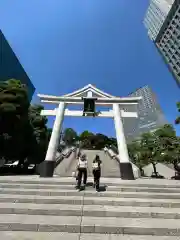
x=125, y=107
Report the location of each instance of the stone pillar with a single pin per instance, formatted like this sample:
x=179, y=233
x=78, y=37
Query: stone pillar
x=47, y=168
x=125, y=165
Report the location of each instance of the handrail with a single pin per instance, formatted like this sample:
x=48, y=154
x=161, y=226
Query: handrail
x=64, y=155
x=136, y=170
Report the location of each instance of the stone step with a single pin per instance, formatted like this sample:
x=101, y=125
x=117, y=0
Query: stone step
x=73, y=224
x=150, y=183
x=72, y=186
x=74, y=236
x=92, y=193
x=78, y=200
x=20, y=235
x=89, y=210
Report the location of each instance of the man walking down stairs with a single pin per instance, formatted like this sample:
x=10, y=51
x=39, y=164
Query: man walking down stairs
x=34, y=208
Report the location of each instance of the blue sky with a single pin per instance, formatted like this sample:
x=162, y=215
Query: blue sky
x=66, y=44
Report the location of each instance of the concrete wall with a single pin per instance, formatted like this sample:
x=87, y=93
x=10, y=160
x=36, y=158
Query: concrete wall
x=162, y=169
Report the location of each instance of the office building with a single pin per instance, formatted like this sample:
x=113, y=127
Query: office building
x=10, y=67
x=166, y=33
x=150, y=114
x=156, y=15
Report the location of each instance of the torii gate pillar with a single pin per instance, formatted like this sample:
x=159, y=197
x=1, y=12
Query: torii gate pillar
x=48, y=165
x=125, y=165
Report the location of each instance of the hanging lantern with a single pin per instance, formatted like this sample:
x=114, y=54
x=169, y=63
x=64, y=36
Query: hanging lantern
x=89, y=107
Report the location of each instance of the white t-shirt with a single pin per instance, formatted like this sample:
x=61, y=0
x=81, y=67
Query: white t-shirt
x=82, y=164
x=95, y=165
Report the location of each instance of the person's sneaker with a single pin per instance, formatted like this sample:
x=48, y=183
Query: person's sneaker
x=97, y=188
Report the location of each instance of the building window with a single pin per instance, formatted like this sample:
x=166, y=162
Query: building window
x=175, y=69
x=173, y=57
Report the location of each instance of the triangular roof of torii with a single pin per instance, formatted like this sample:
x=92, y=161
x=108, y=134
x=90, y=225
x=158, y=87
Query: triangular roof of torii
x=82, y=92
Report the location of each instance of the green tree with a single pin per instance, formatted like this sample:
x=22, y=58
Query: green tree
x=177, y=121
x=137, y=156
x=39, y=135
x=160, y=146
x=112, y=141
x=85, y=135
x=99, y=141
x=85, y=138
x=90, y=140
x=150, y=150
x=23, y=132
x=69, y=136
x=14, y=104
x=170, y=144
x=49, y=132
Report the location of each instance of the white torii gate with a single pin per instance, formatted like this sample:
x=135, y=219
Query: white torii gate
x=125, y=107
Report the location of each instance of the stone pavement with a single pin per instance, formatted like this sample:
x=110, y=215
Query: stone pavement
x=38, y=208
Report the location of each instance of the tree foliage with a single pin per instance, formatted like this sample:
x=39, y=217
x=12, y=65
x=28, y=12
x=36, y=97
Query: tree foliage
x=39, y=135
x=14, y=106
x=69, y=136
x=136, y=155
x=177, y=121
x=23, y=131
x=87, y=140
x=160, y=146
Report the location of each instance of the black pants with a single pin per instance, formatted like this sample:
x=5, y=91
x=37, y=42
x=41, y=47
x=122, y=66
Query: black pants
x=82, y=171
x=97, y=175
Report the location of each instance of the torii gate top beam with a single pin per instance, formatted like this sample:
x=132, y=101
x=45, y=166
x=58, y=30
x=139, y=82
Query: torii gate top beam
x=79, y=100
x=76, y=97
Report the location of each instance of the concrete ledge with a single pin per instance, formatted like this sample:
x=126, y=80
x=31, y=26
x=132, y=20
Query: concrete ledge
x=78, y=200
x=72, y=224
x=41, y=199
x=118, y=188
x=89, y=210
x=126, y=171
x=40, y=227
x=74, y=236
x=144, y=182
x=133, y=226
x=47, y=169
x=89, y=229
x=96, y=236
x=90, y=193
x=20, y=235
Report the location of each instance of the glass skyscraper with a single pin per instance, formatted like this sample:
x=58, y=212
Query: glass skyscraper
x=155, y=16
x=10, y=66
x=150, y=114
x=162, y=21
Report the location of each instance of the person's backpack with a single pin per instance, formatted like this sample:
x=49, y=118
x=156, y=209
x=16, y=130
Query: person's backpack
x=82, y=164
x=95, y=166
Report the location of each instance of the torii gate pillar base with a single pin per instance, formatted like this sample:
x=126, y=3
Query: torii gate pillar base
x=47, y=169
x=126, y=171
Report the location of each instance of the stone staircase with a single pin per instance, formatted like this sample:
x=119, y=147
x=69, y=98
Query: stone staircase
x=110, y=167
x=37, y=208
